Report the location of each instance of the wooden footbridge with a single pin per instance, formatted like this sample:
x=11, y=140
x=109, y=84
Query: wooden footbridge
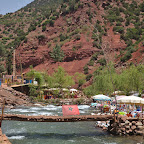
x=75, y=118
x=41, y=118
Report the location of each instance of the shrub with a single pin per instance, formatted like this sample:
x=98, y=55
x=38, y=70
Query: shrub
x=85, y=68
x=102, y=61
x=77, y=37
x=118, y=29
x=57, y=54
x=63, y=37
x=91, y=63
x=96, y=44
x=51, y=23
x=31, y=28
x=133, y=33
x=2, y=68
x=53, y=17
x=43, y=28
x=41, y=37
x=94, y=56
x=126, y=57
x=88, y=77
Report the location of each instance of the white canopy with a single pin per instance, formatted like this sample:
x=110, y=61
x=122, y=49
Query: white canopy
x=101, y=97
x=72, y=90
x=131, y=100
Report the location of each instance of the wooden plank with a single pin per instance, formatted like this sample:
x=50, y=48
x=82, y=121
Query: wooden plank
x=2, y=112
x=57, y=118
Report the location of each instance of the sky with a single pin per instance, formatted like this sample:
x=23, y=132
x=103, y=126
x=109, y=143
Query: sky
x=7, y=6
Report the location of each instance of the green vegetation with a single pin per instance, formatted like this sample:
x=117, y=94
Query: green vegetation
x=62, y=79
x=59, y=79
x=9, y=63
x=130, y=79
x=80, y=79
x=57, y=54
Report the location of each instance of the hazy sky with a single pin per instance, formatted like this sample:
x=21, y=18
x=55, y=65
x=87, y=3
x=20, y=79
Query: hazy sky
x=7, y=6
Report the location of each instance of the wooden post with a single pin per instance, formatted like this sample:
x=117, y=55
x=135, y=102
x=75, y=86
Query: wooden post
x=2, y=112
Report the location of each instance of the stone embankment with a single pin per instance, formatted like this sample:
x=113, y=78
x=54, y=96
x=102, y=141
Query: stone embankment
x=127, y=126
x=3, y=138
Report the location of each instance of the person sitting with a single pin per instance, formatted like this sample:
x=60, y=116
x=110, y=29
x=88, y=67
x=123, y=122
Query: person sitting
x=129, y=115
x=116, y=111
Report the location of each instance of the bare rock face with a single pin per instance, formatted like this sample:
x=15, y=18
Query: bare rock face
x=13, y=98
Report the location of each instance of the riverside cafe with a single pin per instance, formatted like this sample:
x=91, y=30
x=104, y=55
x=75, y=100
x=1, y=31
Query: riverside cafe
x=101, y=102
x=132, y=106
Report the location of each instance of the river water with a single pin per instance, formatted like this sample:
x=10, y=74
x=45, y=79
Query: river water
x=59, y=133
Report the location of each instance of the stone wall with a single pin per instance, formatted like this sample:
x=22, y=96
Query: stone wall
x=127, y=126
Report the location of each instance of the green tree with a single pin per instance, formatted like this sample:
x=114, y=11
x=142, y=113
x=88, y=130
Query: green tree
x=2, y=68
x=57, y=54
x=62, y=79
x=2, y=49
x=9, y=63
x=31, y=74
x=39, y=78
x=80, y=79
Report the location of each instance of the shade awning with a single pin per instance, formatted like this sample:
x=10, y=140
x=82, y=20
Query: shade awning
x=101, y=97
x=131, y=100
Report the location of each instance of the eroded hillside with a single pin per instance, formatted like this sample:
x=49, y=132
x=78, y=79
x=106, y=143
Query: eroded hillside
x=78, y=35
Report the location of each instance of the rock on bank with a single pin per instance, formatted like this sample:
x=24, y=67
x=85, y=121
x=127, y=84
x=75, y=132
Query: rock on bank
x=13, y=98
x=3, y=138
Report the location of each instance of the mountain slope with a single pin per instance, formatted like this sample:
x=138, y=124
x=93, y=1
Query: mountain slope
x=82, y=29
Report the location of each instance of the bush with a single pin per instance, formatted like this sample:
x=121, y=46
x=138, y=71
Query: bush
x=118, y=29
x=96, y=44
x=63, y=37
x=51, y=23
x=57, y=54
x=33, y=90
x=32, y=28
x=2, y=68
x=91, y=63
x=43, y=28
x=88, y=77
x=85, y=68
x=94, y=56
x=41, y=37
x=102, y=61
x=77, y=37
x=126, y=57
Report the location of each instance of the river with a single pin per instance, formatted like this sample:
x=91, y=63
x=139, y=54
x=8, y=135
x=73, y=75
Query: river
x=59, y=133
